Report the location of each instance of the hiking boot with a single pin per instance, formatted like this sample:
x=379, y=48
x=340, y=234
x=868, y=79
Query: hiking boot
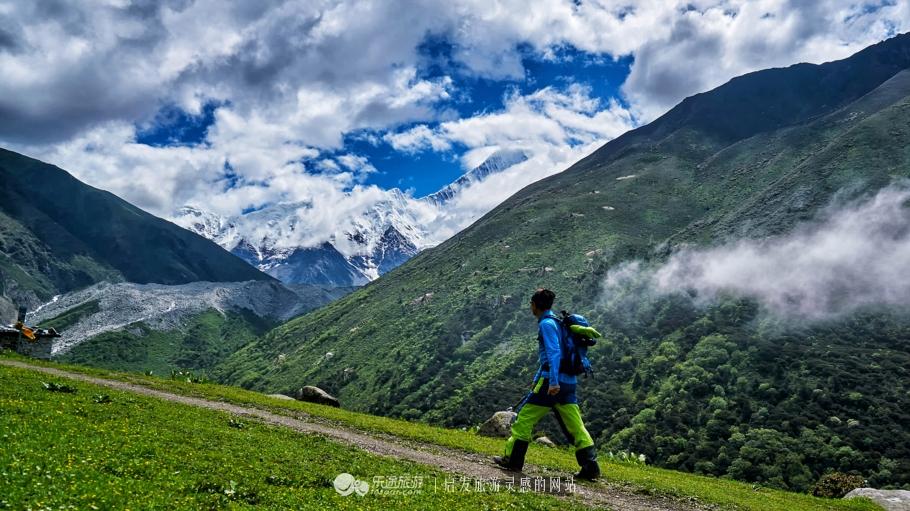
x=516, y=460
x=503, y=462
x=587, y=460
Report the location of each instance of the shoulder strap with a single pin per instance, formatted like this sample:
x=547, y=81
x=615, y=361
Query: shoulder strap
x=563, y=330
x=551, y=315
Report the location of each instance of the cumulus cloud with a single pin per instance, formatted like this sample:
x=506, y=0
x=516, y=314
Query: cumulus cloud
x=320, y=67
x=547, y=117
x=69, y=66
x=855, y=257
x=553, y=127
x=703, y=44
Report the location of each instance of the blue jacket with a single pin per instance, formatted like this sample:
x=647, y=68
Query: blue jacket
x=549, y=349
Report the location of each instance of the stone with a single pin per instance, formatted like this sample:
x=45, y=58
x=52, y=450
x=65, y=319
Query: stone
x=8, y=311
x=499, y=425
x=422, y=299
x=312, y=394
x=542, y=440
x=281, y=396
x=890, y=500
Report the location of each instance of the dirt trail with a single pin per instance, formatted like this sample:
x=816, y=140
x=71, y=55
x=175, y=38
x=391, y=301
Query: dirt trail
x=447, y=460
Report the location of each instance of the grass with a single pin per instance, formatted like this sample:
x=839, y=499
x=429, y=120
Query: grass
x=72, y=316
x=98, y=448
x=199, y=344
x=727, y=494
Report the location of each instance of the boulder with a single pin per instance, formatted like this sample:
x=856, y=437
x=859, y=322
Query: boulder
x=499, y=425
x=542, y=440
x=422, y=299
x=312, y=394
x=8, y=311
x=280, y=396
x=891, y=500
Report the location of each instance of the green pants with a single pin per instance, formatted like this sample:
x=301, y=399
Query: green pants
x=568, y=414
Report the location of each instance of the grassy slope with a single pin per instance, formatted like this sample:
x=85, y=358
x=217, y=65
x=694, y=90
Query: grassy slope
x=71, y=451
x=28, y=266
x=200, y=344
x=468, y=350
x=727, y=494
x=72, y=316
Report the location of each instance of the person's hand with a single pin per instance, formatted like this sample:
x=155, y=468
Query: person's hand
x=553, y=390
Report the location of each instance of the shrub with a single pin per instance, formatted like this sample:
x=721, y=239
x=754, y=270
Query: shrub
x=836, y=484
x=59, y=387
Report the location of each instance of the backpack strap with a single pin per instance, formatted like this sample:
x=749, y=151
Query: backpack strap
x=563, y=332
x=551, y=315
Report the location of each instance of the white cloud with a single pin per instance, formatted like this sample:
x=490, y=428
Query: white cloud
x=68, y=67
x=547, y=117
x=698, y=49
x=554, y=128
x=416, y=139
x=853, y=258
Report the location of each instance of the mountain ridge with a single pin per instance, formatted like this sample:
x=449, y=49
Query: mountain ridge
x=58, y=234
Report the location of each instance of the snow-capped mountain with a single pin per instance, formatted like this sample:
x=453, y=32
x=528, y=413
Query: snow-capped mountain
x=274, y=239
x=385, y=234
x=497, y=162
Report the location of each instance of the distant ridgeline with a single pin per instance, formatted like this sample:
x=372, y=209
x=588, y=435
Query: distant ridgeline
x=719, y=384
x=58, y=234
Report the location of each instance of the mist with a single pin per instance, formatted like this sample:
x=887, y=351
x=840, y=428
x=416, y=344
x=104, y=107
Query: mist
x=855, y=256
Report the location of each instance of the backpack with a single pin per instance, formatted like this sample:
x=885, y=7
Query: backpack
x=574, y=347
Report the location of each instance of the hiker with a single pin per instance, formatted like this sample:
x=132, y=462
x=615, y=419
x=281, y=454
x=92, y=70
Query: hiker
x=552, y=389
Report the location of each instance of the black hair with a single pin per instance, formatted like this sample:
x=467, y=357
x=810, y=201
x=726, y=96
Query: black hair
x=543, y=298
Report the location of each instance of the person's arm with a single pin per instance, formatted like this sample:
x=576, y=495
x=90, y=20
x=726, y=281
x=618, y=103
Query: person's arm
x=550, y=332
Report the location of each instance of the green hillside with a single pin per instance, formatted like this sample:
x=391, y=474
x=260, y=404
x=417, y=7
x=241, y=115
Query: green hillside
x=58, y=234
x=201, y=343
x=199, y=451
x=97, y=448
x=447, y=338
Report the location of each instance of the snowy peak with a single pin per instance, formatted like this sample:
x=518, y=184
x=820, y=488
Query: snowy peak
x=207, y=224
x=392, y=249
x=278, y=239
x=495, y=163
x=369, y=244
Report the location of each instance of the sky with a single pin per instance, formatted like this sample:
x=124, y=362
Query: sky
x=233, y=106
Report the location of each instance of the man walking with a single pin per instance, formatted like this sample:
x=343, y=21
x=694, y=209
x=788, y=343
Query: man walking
x=552, y=390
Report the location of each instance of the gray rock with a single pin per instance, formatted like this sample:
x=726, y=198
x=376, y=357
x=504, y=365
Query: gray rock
x=542, y=440
x=499, y=425
x=891, y=500
x=164, y=307
x=281, y=396
x=8, y=311
x=40, y=348
x=422, y=299
x=312, y=394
